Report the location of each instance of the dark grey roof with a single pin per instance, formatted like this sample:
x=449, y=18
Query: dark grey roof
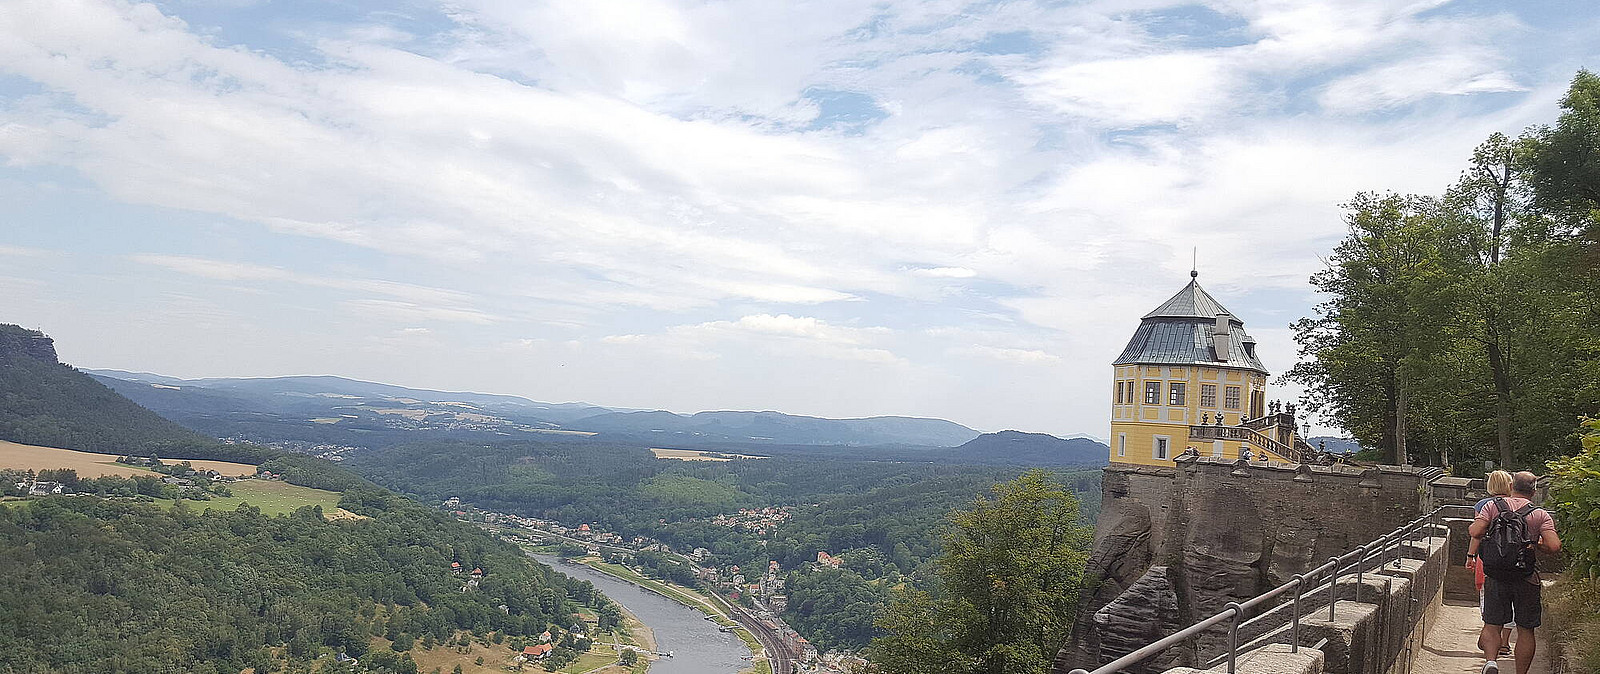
x=1191, y=302
x=1179, y=333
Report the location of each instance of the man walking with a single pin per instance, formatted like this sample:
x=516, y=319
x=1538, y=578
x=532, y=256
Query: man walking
x=1506, y=532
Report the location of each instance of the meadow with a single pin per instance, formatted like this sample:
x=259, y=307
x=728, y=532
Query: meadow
x=273, y=498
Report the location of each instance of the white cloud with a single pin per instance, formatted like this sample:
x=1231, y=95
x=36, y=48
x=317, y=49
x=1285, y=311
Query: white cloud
x=1455, y=74
x=1015, y=356
x=779, y=335
x=944, y=272
x=585, y=181
x=1128, y=92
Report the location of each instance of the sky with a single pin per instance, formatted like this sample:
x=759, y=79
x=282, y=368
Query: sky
x=948, y=209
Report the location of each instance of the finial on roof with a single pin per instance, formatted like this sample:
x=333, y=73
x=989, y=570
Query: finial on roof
x=1194, y=274
x=1194, y=262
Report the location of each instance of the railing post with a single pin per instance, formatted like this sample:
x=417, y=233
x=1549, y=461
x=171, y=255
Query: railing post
x=1233, y=634
x=1333, y=589
x=1361, y=565
x=1294, y=629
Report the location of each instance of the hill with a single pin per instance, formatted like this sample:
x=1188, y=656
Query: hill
x=1335, y=444
x=109, y=580
x=348, y=411
x=44, y=402
x=1034, y=449
x=778, y=428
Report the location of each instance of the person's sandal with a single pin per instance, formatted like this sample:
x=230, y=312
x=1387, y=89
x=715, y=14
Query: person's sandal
x=1505, y=651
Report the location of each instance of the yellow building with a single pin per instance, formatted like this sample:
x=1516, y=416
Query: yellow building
x=1190, y=377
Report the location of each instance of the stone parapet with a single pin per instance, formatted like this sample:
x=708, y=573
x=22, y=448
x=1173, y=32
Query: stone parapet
x=1228, y=530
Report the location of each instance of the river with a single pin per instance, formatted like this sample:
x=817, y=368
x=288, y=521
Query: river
x=697, y=646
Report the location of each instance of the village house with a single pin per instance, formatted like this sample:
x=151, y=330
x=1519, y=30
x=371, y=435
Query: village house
x=42, y=488
x=535, y=652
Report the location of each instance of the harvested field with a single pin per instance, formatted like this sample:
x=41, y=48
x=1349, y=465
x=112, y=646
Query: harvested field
x=34, y=457
x=697, y=455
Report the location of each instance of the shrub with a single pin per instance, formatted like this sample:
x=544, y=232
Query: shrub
x=1575, y=502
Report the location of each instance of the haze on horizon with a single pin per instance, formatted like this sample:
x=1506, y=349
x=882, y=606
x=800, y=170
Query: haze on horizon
x=954, y=210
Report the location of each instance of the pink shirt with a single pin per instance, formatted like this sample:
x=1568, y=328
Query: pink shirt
x=1538, y=521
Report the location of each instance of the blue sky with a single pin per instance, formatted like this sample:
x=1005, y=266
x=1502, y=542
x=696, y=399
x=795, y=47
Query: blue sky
x=948, y=209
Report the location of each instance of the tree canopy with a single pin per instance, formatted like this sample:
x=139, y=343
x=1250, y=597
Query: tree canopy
x=1463, y=327
x=1007, y=591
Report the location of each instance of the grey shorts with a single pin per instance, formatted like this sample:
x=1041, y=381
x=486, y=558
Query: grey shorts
x=1516, y=601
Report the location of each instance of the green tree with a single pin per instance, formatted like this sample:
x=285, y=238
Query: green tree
x=1565, y=162
x=1396, y=283
x=629, y=658
x=1008, y=580
x=1575, y=502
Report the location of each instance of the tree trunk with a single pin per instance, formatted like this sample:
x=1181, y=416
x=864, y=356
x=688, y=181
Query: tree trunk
x=1400, y=428
x=1386, y=450
x=1502, y=404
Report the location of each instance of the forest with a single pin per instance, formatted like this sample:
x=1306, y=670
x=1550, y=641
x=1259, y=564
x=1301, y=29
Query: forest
x=1461, y=326
x=109, y=581
x=98, y=585
x=884, y=517
x=1461, y=330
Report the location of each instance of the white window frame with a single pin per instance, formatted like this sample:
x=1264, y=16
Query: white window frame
x=1152, y=396
x=1161, y=447
x=1122, y=444
x=1216, y=448
x=1212, y=397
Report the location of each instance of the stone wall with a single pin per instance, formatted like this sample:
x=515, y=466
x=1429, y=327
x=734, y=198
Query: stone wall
x=1212, y=531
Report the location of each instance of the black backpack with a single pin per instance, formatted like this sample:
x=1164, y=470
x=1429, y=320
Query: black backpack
x=1506, y=551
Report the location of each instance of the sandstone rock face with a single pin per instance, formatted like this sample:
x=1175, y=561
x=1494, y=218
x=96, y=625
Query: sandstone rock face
x=1220, y=532
x=1123, y=552
x=1143, y=613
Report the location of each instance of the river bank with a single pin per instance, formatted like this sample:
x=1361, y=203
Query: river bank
x=696, y=645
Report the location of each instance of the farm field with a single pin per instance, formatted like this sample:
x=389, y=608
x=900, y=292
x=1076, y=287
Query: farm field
x=34, y=457
x=273, y=497
x=697, y=455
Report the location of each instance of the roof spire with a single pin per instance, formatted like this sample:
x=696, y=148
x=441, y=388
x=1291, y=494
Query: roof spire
x=1194, y=262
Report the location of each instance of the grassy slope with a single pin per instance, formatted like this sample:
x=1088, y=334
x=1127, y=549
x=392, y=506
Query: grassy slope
x=271, y=496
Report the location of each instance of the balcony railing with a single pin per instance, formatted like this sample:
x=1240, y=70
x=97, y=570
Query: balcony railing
x=1250, y=435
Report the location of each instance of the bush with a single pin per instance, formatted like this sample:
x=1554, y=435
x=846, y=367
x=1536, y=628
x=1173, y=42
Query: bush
x=1575, y=502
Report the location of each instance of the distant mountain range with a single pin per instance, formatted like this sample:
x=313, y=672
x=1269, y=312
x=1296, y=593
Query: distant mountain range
x=1335, y=444
x=335, y=409
x=1034, y=449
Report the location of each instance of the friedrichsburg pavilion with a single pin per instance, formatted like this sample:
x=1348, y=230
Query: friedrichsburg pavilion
x=1190, y=377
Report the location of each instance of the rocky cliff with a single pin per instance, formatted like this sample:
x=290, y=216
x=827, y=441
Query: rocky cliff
x=1208, y=532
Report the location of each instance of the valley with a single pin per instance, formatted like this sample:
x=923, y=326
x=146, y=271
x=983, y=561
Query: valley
x=873, y=512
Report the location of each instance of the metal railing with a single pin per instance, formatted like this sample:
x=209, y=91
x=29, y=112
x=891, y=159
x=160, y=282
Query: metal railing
x=1234, y=613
